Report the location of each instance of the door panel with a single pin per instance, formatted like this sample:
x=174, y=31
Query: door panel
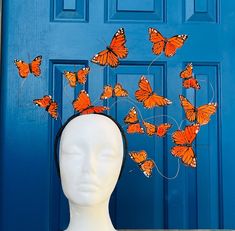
x=67, y=33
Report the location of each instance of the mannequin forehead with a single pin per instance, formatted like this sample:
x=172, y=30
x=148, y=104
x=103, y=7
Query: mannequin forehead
x=92, y=127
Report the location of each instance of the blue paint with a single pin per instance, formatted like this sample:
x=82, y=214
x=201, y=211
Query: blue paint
x=69, y=4
x=67, y=39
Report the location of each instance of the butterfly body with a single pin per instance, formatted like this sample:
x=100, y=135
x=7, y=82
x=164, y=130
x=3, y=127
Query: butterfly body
x=83, y=104
x=115, y=51
x=201, y=114
x=166, y=45
x=25, y=68
x=145, y=165
x=189, y=80
x=183, y=140
x=49, y=104
x=148, y=97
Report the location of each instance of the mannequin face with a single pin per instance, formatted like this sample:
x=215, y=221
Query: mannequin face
x=91, y=154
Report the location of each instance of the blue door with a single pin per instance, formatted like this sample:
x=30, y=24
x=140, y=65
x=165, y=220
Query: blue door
x=67, y=33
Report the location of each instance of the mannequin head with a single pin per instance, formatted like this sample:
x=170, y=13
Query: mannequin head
x=91, y=158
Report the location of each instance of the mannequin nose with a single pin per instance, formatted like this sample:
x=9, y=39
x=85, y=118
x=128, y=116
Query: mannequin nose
x=89, y=164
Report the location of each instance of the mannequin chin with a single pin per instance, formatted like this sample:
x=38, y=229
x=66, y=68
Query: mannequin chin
x=91, y=155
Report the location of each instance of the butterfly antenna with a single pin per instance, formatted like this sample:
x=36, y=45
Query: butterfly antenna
x=28, y=57
x=22, y=84
x=166, y=177
x=181, y=123
x=148, y=69
x=132, y=170
x=60, y=118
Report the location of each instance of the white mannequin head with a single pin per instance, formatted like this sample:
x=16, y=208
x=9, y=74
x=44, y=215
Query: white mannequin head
x=91, y=156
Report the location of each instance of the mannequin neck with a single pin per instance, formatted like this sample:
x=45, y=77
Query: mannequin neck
x=92, y=218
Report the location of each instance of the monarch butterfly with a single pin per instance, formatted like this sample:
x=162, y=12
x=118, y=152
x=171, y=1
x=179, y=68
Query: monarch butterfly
x=83, y=104
x=109, y=91
x=159, y=130
x=149, y=98
x=145, y=165
x=77, y=77
x=183, y=140
x=162, y=44
x=50, y=105
x=25, y=68
x=115, y=51
x=201, y=114
x=133, y=123
x=188, y=78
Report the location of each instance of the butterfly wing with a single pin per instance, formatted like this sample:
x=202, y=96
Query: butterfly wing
x=138, y=157
x=71, y=77
x=43, y=102
x=145, y=90
x=82, y=102
x=82, y=75
x=119, y=91
x=187, y=72
x=106, y=57
x=135, y=128
x=162, y=129
x=204, y=113
x=150, y=128
x=131, y=117
x=145, y=94
x=94, y=109
x=35, y=66
x=186, y=136
x=156, y=100
x=107, y=92
x=158, y=41
x=52, y=110
x=189, y=109
x=116, y=50
x=174, y=43
x=186, y=154
x=192, y=82
x=23, y=68
x=117, y=44
x=147, y=167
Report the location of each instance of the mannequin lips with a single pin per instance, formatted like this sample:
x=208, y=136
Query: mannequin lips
x=87, y=187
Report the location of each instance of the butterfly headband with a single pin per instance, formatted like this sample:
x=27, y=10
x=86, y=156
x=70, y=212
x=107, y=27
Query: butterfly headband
x=183, y=139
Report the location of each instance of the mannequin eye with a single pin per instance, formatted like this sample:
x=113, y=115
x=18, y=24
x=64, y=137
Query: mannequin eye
x=107, y=154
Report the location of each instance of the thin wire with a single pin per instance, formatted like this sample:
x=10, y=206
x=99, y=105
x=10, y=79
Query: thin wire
x=148, y=69
x=166, y=177
x=153, y=117
x=212, y=88
x=60, y=118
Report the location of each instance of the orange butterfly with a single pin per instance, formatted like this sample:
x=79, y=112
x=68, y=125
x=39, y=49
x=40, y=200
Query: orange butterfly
x=201, y=114
x=25, y=68
x=149, y=98
x=50, y=105
x=146, y=165
x=183, y=140
x=83, y=104
x=115, y=51
x=77, y=77
x=117, y=91
x=162, y=44
x=159, y=130
x=133, y=123
x=187, y=76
